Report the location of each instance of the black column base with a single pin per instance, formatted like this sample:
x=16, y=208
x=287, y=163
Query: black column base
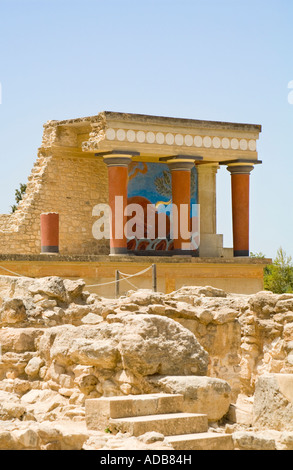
x=49, y=249
x=238, y=253
x=118, y=251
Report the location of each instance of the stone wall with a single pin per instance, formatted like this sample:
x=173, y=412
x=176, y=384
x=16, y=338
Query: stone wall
x=69, y=185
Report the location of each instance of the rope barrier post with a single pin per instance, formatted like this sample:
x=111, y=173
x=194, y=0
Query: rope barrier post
x=117, y=284
x=154, y=275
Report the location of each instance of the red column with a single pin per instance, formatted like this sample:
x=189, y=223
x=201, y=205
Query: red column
x=181, y=181
x=50, y=233
x=118, y=182
x=240, y=176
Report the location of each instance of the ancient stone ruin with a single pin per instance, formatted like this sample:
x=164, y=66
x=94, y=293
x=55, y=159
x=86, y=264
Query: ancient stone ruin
x=79, y=371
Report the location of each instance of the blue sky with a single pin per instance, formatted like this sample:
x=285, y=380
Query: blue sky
x=221, y=60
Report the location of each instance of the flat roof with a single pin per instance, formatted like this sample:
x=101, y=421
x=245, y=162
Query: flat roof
x=146, y=118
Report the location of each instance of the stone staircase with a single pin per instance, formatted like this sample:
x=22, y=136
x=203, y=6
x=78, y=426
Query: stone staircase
x=138, y=414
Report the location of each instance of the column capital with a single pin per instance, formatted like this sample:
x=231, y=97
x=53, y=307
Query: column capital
x=180, y=164
x=117, y=160
x=240, y=168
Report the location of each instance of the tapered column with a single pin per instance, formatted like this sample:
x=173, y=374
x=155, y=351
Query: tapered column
x=181, y=182
x=211, y=244
x=50, y=232
x=240, y=176
x=207, y=197
x=118, y=182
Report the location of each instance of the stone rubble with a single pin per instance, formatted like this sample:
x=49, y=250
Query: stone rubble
x=61, y=345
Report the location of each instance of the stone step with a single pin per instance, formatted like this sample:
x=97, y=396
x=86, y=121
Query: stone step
x=167, y=424
x=99, y=410
x=201, y=441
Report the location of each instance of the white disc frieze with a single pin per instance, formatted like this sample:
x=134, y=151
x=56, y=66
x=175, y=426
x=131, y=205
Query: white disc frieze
x=121, y=134
x=252, y=145
x=140, y=136
x=225, y=143
x=216, y=142
x=160, y=138
x=198, y=141
x=150, y=137
x=234, y=144
x=207, y=141
x=243, y=144
x=130, y=136
x=170, y=139
x=188, y=139
x=110, y=134
x=179, y=139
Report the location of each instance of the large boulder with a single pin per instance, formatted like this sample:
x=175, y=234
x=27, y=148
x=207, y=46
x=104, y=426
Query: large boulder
x=151, y=344
x=142, y=344
x=206, y=395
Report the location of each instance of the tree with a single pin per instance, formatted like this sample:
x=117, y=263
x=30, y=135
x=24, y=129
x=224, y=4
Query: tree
x=278, y=277
x=18, y=196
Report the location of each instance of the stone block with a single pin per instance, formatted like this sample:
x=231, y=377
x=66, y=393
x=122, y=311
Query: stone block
x=273, y=402
x=99, y=411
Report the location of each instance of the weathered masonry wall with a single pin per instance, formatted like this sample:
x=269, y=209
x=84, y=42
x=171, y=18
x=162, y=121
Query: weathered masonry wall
x=238, y=276
x=69, y=185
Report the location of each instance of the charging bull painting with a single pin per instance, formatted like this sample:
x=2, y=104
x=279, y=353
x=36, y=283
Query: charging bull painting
x=150, y=186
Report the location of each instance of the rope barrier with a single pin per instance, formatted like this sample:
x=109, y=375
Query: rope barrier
x=12, y=272
x=130, y=283
x=127, y=276
x=137, y=274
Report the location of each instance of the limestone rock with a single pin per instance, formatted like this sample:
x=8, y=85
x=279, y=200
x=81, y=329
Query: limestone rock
x=41, y=402
x=10, y=407
x=133, y=341
x=33, y=367
x=177, y=350
x=207, y=291
x=86, y=345
x=145, y=297
x=74, y=289
x=205, y=395
x=287, y=440
x=150, y=437
x=273, y=402
x=12, y=311
x=241, y=412
x=48, y=435
x=19, y=339
x=263, y=303
x=249, y=440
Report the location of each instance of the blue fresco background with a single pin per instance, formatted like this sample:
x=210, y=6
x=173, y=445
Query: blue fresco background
x=143, y=184
x=144, y=181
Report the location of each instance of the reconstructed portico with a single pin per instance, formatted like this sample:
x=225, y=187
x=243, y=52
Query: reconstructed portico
x=182, y=143
x=136, y=159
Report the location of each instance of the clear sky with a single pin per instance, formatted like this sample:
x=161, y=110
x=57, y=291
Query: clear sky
x=226, y=60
